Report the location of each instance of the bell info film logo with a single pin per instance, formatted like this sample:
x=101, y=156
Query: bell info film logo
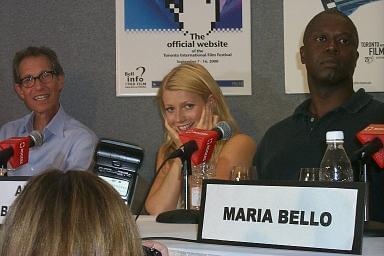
x=135, y=79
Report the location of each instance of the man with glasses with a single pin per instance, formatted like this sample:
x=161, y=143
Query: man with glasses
x=68, y=144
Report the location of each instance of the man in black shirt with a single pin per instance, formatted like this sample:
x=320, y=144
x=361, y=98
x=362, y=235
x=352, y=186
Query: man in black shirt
x=329, y=53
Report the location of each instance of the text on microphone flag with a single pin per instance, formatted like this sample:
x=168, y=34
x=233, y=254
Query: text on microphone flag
x=20, y=147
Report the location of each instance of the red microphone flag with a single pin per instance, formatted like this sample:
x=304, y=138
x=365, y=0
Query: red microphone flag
x=20, y=147
x=205, y=140
x=368, y=134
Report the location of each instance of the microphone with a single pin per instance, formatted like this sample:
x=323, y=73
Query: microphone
x=16, y=149
x=372, y=138
x=184, y=150
x=205, y=140
x=198, y=147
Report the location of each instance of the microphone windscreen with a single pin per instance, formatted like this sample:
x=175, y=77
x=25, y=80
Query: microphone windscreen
x=369, y=134
x=225, y=130
x=36, y=138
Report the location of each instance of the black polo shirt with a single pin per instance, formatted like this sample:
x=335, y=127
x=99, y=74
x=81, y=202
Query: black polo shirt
x=299, y=141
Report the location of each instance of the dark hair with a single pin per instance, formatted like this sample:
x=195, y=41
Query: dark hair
x=33, y=51
x=331, y=12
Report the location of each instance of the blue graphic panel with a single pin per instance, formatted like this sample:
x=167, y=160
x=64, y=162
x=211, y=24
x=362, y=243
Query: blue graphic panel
x=345, y=6
x=180, y=14
x=148, y=14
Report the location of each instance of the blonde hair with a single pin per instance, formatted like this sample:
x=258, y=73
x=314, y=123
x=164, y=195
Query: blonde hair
x=69, y=213
x=195, y=78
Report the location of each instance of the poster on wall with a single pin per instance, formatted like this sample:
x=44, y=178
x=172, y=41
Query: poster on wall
x=368, y=18
x=154, y=36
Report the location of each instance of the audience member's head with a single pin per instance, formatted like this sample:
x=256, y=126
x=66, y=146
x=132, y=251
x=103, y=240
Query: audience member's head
x=69, y=213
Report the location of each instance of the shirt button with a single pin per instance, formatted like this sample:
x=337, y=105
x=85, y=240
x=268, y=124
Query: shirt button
x=312, y=119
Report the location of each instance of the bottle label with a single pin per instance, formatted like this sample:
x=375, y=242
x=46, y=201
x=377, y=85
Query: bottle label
x=195, y=194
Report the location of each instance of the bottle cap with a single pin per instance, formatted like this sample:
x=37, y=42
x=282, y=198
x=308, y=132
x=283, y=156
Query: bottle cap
x=335, y=135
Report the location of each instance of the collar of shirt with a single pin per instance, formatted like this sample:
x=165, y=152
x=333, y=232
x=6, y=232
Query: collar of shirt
x=54, y=128
x=358, y=100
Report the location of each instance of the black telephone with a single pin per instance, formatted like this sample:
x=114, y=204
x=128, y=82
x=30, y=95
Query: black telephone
x=118, y=163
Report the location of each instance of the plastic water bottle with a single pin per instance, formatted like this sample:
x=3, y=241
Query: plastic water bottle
x=335, y=165
x=199, y=172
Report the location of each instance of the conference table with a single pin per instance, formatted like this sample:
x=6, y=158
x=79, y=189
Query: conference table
x=165, y=233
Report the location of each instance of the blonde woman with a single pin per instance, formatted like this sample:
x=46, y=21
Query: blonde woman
x=189, y=97
x=70, y=213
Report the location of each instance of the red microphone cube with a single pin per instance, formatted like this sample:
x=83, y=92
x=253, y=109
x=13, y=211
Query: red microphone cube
x=205, y=140
x=20, y=146
x=368, y=134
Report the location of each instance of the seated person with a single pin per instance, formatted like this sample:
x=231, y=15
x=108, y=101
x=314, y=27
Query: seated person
x=70, y=213
x=329, y=53
x=189, y=97
x=68, y=144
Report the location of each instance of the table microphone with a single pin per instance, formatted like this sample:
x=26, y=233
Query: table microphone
x=15, y=150
x=372, y=138
x=197, y=148
x=187, y=148
x=206, y=140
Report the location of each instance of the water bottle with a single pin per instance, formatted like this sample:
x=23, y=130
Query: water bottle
x=199, y=172
x=335, y=165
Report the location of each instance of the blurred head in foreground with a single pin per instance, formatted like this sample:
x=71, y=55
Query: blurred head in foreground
x=69, y=213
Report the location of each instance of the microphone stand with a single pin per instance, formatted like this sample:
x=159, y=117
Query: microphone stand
x=364, y=178
x=3, y=168
x=186, y=215
x=3, y=164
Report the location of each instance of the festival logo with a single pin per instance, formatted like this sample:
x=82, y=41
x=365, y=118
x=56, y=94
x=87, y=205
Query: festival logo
x=135, y=79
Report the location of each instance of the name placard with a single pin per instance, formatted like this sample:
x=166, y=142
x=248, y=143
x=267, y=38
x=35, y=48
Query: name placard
x=290, y=215
x=11, y=187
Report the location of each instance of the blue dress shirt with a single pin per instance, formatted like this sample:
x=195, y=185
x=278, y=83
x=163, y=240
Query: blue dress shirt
x=68, y=144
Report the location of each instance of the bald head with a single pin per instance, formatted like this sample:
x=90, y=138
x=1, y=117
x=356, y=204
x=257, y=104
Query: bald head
x=327, y=14
x=330, y=51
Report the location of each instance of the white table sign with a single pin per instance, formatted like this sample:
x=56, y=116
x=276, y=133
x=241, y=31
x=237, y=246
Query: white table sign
x=284, y=215
x=11, y=187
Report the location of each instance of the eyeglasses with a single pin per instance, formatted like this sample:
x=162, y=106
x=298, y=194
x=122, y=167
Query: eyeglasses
x=44, y=77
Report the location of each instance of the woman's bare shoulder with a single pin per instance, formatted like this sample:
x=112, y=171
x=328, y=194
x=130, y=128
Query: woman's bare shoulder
x=241, y=139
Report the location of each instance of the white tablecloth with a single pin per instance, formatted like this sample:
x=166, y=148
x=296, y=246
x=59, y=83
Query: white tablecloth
x=372, y=246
